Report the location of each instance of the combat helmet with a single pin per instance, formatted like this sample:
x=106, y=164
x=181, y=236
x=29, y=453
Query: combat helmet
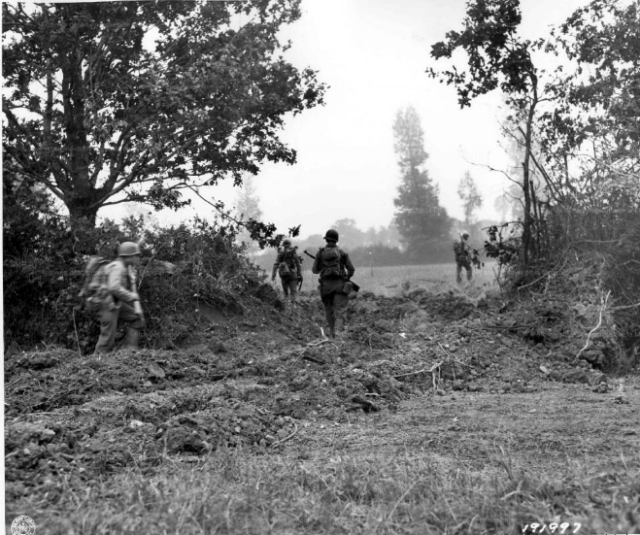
x=128, y=248
x=331, y=235
x=464, y=234
x=286, y=242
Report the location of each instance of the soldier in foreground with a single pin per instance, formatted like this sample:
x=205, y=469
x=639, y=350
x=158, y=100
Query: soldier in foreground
x=335, y=269
x=462, y=250
x=118, y=299
x=288, y=266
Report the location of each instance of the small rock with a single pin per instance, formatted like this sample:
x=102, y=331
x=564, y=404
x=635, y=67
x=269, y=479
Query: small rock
x=592, y=355
x=458, y=384
x=155, y=371
x=597, y=379
x=576, y=376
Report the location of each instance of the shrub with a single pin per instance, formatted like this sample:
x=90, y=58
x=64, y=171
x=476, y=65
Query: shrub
x=182, y=268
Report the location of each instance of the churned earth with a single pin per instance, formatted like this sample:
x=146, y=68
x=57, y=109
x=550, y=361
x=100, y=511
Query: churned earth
x=432, y=413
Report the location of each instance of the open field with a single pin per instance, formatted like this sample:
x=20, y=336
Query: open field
x=387, y=281
x=435, y=413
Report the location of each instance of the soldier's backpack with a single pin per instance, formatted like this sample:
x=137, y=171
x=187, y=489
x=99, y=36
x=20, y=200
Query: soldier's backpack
x=458, y=249
x=95, y=289
x=287, y=267
x=332, y=267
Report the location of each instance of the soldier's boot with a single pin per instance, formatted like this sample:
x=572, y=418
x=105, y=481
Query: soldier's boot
x=331, y=320
x=132, y=339
x=339, y=323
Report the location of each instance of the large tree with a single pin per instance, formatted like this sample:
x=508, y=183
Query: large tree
x=497, y=58
x=113, y=102
x=423, y=224
x=596, y=113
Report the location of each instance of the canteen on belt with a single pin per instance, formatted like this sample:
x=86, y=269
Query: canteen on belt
x=348, y=287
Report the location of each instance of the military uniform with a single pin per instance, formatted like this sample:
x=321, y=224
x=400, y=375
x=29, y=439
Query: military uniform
x=463, y=260
x=119, y=304
x=291, y=275
x=332, y=284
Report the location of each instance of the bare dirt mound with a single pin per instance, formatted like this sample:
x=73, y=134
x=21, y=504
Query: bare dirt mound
x=253, y=379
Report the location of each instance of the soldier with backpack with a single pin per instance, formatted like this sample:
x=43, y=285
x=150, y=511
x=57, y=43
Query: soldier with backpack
x=462, y=250
x=112, y=295
x=288, y=266
x=335, y=269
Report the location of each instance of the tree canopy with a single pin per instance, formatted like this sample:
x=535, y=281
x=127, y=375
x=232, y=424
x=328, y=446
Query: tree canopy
x=423, y=224
x=497, y=58
x=113, y=102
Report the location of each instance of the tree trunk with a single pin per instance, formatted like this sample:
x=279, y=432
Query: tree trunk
x=82, y=217
x=526, y=178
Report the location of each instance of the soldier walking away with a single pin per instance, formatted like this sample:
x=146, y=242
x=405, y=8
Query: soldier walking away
x=290, y=270
x=335, y=269
x=462, y=250
x=119, y=299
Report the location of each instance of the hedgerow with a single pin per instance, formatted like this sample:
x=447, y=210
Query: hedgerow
x=183, y=268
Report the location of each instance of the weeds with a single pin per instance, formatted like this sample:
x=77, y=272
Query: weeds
x=237, y=492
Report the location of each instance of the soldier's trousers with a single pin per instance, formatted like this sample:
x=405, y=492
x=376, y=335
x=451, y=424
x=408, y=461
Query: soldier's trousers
x=109, y=316
x=459, y=266
x=290, y=287
x=335, y=302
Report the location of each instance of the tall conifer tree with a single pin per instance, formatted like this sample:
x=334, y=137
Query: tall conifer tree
x=423, y=224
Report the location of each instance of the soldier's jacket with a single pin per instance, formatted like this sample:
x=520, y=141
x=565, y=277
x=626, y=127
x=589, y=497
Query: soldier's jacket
x=464, y=254
x=290, y=257
x=345, y=262
x=119, y=283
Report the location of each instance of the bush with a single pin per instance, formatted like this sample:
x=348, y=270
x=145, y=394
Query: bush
x=183, y=268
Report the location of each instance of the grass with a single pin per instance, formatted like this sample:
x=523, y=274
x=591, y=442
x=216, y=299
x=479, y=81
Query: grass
x=488, y=465
x=388, y=281
x=451, y=464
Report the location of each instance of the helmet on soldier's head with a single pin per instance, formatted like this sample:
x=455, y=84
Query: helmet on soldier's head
x=128, y=248
x=286, y=242
x=464, y=234
x=331, y=235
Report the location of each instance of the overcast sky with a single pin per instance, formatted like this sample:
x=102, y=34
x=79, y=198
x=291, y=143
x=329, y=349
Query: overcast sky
x=373, y=54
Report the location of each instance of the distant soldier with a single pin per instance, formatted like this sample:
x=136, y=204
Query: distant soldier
x=119, y=299
x=462, y=250
x=335, y=269
x=288, y=266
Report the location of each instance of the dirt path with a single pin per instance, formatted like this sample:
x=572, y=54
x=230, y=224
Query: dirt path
x=432, y=414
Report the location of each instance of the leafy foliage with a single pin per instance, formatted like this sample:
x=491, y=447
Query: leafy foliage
x=504, y=248
x=184, y=268
x=600, y=99
x=496, y=58
x=121, y=119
